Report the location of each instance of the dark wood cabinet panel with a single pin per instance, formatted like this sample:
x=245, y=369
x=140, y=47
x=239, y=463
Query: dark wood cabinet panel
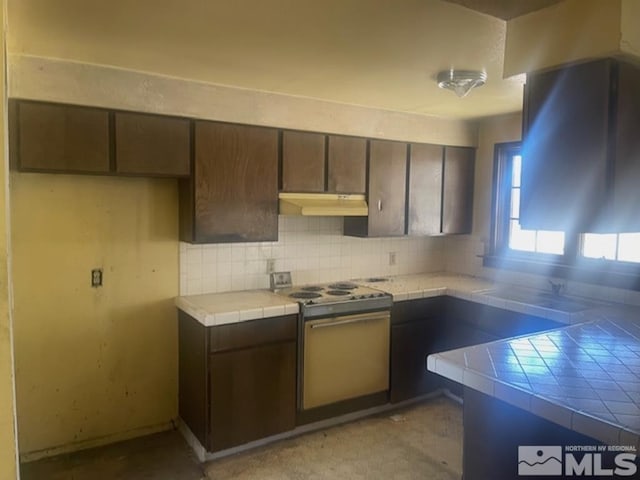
x=425, y=326
x=623, y=213
x=387, y=188
x=237, y=382
x=457, y=194
x=580, y=154
x=564, y=156
x=425, y=189
x=256, y=332
x=508, y=427
x=303, y=162
x=152, y=145
x=253, y=394
x=347, y=164
x=60, y=138
x=192, y=375
x=234, y=187
x=416, y=330
x=386, y=192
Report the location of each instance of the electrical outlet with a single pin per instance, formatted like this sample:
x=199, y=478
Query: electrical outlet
x=96, y=277
x=392, y=258
x=271, y=265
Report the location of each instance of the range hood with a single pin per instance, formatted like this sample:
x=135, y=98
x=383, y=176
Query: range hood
x=323, y=204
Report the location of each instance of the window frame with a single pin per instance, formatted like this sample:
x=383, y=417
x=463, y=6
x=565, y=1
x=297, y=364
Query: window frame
x=572, y=265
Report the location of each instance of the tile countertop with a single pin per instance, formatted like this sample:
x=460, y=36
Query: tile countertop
x=424, y=285
x=584, y=377
x=232, y=307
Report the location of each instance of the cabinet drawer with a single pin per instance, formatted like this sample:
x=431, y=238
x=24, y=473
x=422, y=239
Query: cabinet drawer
x=253, y=332
x=419, y=309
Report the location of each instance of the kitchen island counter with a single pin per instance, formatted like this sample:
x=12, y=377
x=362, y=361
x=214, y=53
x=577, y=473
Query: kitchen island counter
x=585, y=377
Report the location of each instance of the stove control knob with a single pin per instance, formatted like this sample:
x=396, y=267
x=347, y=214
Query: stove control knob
x=353, y=297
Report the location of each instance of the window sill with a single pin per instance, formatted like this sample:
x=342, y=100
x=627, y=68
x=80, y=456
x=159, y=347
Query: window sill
x=588, y=271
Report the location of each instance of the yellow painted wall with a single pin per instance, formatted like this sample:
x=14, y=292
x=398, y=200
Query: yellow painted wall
x=463, y=250
x=568, y=31
x=630, y=26
x=8, y=466
x=93, y=364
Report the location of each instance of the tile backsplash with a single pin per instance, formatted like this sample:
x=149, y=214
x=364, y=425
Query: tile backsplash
x=313, y=249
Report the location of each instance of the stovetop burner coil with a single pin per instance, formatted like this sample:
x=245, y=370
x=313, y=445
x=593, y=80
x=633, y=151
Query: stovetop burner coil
x=305, y=295
x=343, y=286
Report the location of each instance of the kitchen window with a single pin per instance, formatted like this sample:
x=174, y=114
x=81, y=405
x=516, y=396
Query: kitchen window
x=535, y=241
x=621, y=247
x=610, y=259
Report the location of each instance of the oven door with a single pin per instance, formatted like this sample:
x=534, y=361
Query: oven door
x=345, y=357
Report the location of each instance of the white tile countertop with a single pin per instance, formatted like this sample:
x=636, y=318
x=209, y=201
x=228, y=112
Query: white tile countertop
x=232, y=307
x=229, y=307
x=424, y=285
x=584, y=377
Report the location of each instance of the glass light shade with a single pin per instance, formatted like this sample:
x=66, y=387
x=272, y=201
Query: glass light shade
x=461, y=81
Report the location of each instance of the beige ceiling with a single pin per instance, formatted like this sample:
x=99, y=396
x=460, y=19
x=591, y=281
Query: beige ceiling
x=378, y=53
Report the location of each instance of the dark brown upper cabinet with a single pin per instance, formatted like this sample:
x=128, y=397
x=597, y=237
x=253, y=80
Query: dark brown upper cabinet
x=386, y=192
x=440, y=190
x=317, y=163
x=457, y=190
x=303, y=162
x=347, y=164
x=232, y=195
x=425, y=189
x=152, y=145
x=59, y=138
x=55, y=138
x=581, y=151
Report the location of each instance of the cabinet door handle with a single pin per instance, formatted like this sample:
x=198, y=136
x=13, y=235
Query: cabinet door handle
x=350, y=319
x=379, y=205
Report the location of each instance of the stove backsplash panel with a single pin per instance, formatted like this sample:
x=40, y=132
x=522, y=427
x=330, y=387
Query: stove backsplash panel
x=313, y=249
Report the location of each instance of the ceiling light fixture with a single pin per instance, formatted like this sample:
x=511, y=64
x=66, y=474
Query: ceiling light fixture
x=461, y=81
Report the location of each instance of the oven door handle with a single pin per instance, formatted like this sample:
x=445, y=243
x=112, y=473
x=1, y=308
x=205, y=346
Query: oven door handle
x=350, y=319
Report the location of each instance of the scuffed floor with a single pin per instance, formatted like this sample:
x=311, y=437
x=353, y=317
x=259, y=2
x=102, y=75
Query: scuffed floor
x=419, y=442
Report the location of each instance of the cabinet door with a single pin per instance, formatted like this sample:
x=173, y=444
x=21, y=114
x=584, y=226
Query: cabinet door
x=387, y=188
x=425, y=189
x=233, y=194
x=623, y=216
x=61, y=138
x=347, y=164
x=411, y=343
x=564, y=156
x=303, y=165
x=152, y=145
x=457, y=195
x=252, y=394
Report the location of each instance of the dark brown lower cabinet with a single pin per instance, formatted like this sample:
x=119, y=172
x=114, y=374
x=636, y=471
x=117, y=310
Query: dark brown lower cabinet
x=430, y=325
x=415, y=333
x=252, y=394
x=494, y=431
x=244, y=388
